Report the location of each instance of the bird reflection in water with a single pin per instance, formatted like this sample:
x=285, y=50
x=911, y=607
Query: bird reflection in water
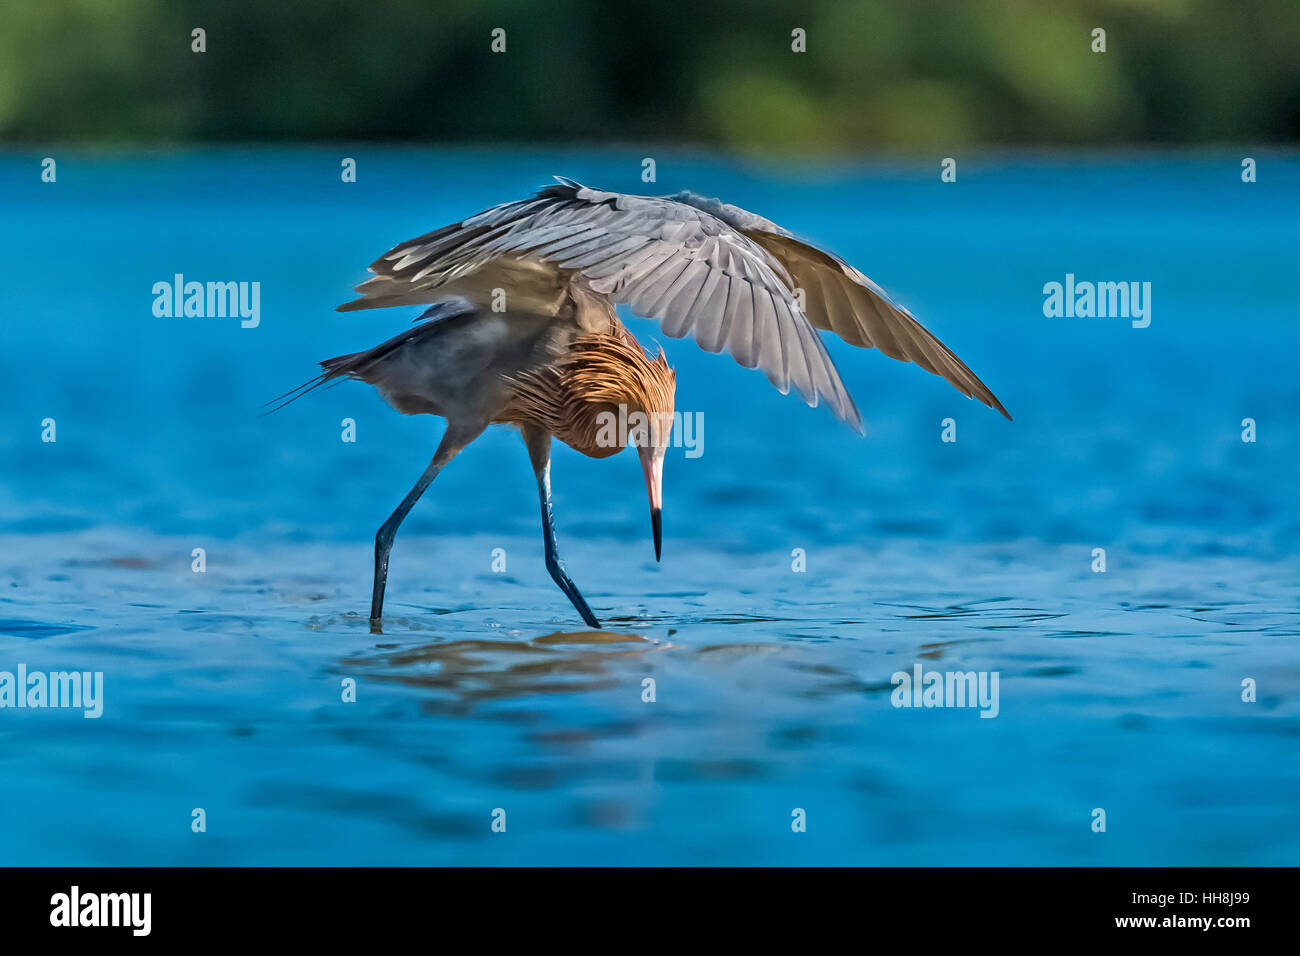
x=480, y=670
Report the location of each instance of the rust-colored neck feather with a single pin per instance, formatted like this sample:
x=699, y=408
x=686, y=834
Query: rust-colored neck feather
x=599, y=373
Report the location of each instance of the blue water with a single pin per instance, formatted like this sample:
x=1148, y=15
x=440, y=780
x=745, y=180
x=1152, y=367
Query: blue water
x=1119, y=690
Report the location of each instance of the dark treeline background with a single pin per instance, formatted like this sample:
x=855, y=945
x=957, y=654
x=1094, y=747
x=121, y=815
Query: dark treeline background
x=877, y=74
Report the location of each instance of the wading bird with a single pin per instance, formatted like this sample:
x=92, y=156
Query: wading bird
x=523, y=329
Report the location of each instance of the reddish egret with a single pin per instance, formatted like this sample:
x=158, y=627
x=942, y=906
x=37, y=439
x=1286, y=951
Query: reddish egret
x=523, y=329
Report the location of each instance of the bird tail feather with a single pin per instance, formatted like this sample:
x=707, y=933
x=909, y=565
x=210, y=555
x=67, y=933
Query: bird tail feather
x=357, y=365
x=336, y=367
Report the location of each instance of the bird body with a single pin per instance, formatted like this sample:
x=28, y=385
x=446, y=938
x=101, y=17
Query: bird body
x=523, y=328
x=551, y=374
x=456, y=361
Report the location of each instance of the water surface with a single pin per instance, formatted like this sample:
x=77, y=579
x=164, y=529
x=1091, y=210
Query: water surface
x=1118, y=690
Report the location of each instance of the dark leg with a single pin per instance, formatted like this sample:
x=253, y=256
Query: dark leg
x=453, y=440
x=539, y=451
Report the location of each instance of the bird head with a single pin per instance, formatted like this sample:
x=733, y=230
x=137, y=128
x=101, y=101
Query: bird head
x=651, y=444
x=617, y=384
x=603, y=395
x=650, y=429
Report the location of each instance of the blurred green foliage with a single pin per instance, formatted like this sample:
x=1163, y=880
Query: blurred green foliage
x=877, y=74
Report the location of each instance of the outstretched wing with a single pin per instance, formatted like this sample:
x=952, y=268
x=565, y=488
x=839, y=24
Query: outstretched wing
x=840, y=299
x=664, y=259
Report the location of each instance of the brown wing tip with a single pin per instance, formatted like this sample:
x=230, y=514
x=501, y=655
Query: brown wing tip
x=993, y=403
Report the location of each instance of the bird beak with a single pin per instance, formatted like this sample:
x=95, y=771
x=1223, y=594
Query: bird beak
x=653, y=466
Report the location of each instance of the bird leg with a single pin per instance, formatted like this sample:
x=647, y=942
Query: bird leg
x=454, y=439
x=539, y=452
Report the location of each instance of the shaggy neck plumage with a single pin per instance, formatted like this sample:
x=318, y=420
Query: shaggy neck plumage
x=598, y=374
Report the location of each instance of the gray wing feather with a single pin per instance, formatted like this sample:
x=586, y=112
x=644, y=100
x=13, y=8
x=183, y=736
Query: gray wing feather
x=711, y=330
x=665, y=259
